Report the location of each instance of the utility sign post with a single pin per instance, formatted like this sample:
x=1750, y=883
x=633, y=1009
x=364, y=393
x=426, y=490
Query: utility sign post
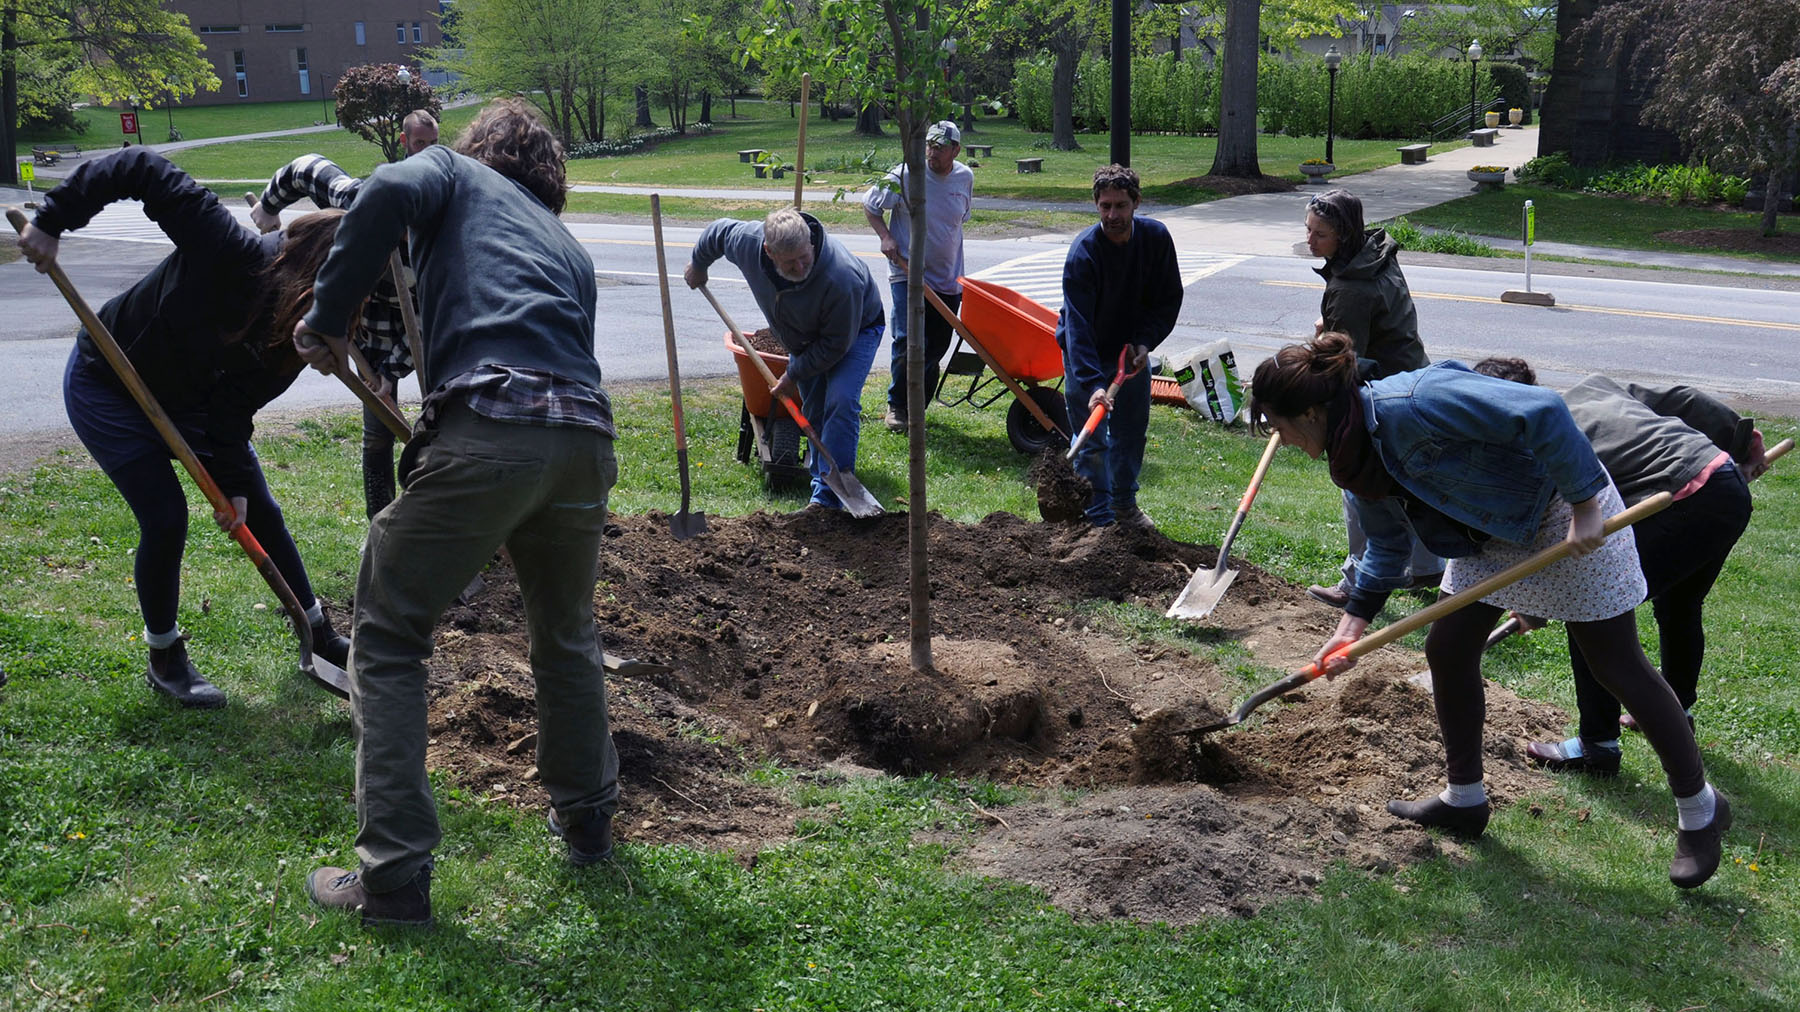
x=1529, y=297
x=128, y=123
x=27, y=173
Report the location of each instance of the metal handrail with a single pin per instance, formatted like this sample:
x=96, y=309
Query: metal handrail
x=1449, y=124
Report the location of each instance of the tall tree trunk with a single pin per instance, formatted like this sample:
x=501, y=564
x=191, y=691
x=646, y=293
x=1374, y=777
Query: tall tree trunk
x=868, y=120
x=9, y=96
x=1062, y=96
x=1236, y=154
x=642, y=94
x=706, y=106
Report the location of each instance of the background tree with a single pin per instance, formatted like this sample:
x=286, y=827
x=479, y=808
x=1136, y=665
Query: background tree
x=1247, y=24
x=1528, y=26
x=111, y=49
x=564, y=56
x=1722, y=76
x=1066, y=29
x=372, y=103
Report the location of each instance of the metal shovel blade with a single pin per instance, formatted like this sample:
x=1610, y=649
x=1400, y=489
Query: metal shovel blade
x=858, y=501
x=1202, y=594
x=326, y=675
x=685, y=525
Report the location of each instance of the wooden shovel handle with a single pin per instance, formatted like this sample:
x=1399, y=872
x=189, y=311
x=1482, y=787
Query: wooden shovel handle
x=1262, y=468
x=800, y=154
x=768, y=376
x=668, y=314
x=409, y=317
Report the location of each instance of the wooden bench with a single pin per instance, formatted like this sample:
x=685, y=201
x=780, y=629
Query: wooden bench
x=984, y=150
x=1484, y=137
x=50, y=154
x=749, y=154
x=1031, y=165
x=1413, y=154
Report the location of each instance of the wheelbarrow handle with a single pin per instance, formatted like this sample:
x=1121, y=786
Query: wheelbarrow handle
x=762, y=367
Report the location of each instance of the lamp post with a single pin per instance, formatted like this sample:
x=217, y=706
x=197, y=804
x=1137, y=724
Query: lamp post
x=1332, y=59
x=1474, y=58
x=403, y=76
x=137, y=120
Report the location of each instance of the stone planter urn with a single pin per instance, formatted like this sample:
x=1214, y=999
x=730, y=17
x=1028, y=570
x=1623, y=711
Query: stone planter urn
x=1515, y=116
x=1317, y=171
x=1488, y=179
x=1493, y=119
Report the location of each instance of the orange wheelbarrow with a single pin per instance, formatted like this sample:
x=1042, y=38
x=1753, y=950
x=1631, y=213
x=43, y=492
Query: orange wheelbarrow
x=1014, y=338
x=764, y=430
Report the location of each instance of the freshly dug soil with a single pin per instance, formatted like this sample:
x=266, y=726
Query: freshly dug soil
x=1062, y=495
x=786, y=639
x=1739, y=240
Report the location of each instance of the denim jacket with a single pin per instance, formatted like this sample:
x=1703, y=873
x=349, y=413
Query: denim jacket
x=1484, y=453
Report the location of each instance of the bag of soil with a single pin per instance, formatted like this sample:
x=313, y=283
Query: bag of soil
x=1208, y=375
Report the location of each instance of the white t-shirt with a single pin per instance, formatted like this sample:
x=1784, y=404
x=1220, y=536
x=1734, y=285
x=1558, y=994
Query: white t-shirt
x=948, y=199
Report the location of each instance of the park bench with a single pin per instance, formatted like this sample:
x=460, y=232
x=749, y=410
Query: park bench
x=984, y=150
x=1413, y=154
x=749, y=154
x=1031, y=165
x=50, y=154
x=1484, y=137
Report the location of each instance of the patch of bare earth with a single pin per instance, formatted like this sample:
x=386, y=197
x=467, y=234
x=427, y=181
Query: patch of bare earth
x=1736, y=240
x=785, y=639
x=1237, y=186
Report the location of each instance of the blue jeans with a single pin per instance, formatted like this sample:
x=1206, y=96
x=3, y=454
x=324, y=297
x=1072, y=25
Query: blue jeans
x=1362, y=516
x=938, y=333
x=832, y=401
x=1113, y=456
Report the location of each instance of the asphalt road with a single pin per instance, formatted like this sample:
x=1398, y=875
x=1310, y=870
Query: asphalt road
x=1739, y=343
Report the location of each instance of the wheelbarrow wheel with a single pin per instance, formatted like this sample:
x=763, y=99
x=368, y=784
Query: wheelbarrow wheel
x=787, y=465
x=1024, y=431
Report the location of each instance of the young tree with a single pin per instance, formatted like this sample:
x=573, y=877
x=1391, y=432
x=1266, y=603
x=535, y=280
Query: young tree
x=1528, y=26
x=1722, y=76
x=564, y=56
x=372, y=102
x=125, y=47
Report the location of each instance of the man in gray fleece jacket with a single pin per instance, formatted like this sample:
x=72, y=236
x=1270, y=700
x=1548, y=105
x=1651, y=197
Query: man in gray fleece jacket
x=824, y=308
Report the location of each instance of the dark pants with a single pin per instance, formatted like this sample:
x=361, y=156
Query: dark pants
x=377, y=463
x=1682, y=549
x=938, y=333
x=1454, y=646
x=1112, y=458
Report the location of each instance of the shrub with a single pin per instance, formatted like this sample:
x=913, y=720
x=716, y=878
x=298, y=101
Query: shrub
x=1554, y=170
x=1377, y=96
x=632, y=142
x=1410, y=236
x=1514, y=85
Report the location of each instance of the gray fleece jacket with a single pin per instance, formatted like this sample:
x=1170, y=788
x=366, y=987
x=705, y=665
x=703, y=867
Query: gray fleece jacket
x=815, y=319
x=1654, y=439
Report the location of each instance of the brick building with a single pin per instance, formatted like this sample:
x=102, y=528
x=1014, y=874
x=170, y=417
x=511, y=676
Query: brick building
x=293, y=50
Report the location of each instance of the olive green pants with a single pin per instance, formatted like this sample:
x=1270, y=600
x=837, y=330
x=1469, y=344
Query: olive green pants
x=480, y=484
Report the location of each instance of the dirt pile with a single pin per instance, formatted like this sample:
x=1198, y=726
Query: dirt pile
x=785, y=636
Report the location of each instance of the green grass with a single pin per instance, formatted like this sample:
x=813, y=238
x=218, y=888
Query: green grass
x=1591, y=220
x=847, y=212
x=257, y=160
x=159, y=854
x=194, y=122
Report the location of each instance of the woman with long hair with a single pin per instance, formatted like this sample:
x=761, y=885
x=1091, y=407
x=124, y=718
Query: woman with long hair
x=209, y=330
x=1488, y=474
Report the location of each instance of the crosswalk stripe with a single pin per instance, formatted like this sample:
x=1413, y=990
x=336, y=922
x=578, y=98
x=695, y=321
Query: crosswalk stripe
x=1038, y=276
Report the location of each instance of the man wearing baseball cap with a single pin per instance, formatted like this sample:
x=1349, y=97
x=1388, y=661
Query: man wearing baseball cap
x=949, y=193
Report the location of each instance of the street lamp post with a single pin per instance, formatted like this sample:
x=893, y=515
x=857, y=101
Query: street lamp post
x=137, y=120
x=1474, y=58
x=1332, y=59
x=404, y=76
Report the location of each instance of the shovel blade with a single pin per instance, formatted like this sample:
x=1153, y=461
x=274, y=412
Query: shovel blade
x=685, y=525
x=858, y=501
x=1202, y=594
x=326, y=675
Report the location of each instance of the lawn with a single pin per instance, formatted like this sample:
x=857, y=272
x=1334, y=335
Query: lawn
x=154, y=858
x=1593, y=220
x=194, y=122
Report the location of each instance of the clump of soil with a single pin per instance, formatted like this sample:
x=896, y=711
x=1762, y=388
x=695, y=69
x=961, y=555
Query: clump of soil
x=785, y=637
x=1738, y=240
x=1062, y=495
x=764, y=340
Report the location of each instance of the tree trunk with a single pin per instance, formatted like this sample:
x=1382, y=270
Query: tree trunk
x=9, y=97
x=1236, y=154
x=642, y=94
x=1062, y=97
x=706, y=106
x=868, y=120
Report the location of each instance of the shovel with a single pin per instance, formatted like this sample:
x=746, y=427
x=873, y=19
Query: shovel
x=1425, y=616
x=1207, y=586
x=800, y=153
x=683, y=525
x=857, y=500
x=329, y=676
x=1100, y=409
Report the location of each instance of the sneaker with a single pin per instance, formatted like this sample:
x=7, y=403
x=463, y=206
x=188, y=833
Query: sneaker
x=340, y=889
x=589, y=843
x=172, y=674
x=894, y=420
x=1697, y=851
x=1134, y=517
x=1468, y=822
x=1337, y=596
x=1575, y=756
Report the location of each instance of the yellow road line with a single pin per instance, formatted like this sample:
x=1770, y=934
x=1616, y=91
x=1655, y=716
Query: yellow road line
x=689, y=245
x=1649, y=314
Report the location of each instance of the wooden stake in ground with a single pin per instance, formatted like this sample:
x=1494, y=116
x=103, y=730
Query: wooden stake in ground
x=800, y=152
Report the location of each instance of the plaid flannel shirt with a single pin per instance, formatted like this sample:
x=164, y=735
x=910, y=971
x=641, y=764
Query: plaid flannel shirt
x=383, y=338
x=525, y=397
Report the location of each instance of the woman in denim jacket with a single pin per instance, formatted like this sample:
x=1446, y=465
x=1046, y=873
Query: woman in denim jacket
x=1489, y=473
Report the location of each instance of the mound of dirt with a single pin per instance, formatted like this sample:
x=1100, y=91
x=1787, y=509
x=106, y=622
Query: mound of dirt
x=785, y=637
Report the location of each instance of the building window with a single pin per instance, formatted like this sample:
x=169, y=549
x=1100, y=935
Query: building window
x=300, y=67
x=1380, y=44
x=284, y=28
x=362, y=38
x=219, y=29
x=237, y=66
x=400, y=32
x=418, y=32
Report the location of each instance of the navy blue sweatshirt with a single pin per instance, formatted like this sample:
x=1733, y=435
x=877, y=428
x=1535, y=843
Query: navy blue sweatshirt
x=1115, y=296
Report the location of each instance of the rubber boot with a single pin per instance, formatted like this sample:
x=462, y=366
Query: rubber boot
x=378, y=478
x=173, y=675
x=330, y=644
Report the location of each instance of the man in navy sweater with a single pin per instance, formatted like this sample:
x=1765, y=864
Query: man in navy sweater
x=1121, y=290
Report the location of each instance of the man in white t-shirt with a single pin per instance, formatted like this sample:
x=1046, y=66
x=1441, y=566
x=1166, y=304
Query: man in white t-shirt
x=949, y=193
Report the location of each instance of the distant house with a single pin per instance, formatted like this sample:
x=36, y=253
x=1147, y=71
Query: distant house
x=293, y=50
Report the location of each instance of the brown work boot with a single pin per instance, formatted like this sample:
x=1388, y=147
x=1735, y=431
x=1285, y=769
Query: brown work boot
x=894, y=420
x=1134, y=517
x=173, y=675
x=1337, y=596
x=1697, y=851
x=589, y=842
x=407, y=906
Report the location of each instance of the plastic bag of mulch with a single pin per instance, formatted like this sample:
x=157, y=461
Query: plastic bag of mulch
x=1208, y=375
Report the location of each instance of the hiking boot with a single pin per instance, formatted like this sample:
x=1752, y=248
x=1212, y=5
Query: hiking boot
x=1575, y=756
x=894, y=420
x=589, y=842
x=407, y=906
x=1468, y=822
x=330, y=644
x=172, y=674
x=1134, y=517
x=1337, y=596
x=1697, y=851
